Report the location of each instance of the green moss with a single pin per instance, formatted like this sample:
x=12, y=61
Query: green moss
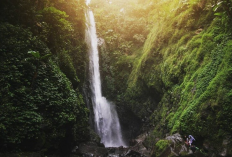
x=183, y=70
x=161, y=146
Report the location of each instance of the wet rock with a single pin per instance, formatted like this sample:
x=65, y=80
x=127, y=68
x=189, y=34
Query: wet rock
x=139, y=145
x=100, y=41
x=133, y=153
x=130, y=123
x=175, y=146
x=226, y=149
x=91, y=150
x=74, y=150
x=133, y=142
x=111, y=150
x=120, y=151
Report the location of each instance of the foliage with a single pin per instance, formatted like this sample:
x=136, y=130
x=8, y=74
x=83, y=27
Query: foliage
x=123, y=37
x=182, y=70
x=42, y=65
x=223, y=9
x=161, y=146
x=55, y=28
x=168, y=61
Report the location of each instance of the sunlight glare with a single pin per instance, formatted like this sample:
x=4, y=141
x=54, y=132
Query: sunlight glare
x=87, y=2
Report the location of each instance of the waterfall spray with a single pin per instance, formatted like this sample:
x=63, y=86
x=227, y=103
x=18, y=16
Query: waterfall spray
x=105, y=115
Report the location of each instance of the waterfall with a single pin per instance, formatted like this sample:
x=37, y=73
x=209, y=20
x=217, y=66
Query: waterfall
x=105, y=115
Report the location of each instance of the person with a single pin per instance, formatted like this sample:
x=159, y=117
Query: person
x=191, y=139
x=187, y=140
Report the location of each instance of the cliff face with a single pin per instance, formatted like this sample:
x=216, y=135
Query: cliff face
x=178, y=79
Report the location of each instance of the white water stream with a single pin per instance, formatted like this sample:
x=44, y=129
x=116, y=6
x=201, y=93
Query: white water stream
x=106, y=119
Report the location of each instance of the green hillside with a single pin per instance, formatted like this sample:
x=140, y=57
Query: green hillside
x=177, y=77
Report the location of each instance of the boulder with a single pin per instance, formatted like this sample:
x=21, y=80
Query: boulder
x=174, y=145
x=133, y=153
x=92, y=150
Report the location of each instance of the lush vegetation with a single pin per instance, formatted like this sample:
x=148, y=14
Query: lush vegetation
x=43, y=61
x=161, y=145
x=180, y=73
x=168, y=61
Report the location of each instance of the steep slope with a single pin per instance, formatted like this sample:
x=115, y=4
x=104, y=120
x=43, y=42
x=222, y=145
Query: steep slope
x=181, y=76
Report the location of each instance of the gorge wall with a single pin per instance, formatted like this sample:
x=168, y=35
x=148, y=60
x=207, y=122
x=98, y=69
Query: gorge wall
x=169, y=62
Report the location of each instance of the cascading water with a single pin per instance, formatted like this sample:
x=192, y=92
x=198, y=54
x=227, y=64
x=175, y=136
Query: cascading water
x=106, y=119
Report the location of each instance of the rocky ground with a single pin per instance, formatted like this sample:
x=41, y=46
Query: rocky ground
x=136, y=150
x=175, y=147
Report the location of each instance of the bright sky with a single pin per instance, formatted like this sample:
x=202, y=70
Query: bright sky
x=87, y=2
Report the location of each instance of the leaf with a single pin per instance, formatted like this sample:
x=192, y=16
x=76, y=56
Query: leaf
x=219, y=4
x=215, y=8
x=218, y=14
x=35, y=54
x=46, y=56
